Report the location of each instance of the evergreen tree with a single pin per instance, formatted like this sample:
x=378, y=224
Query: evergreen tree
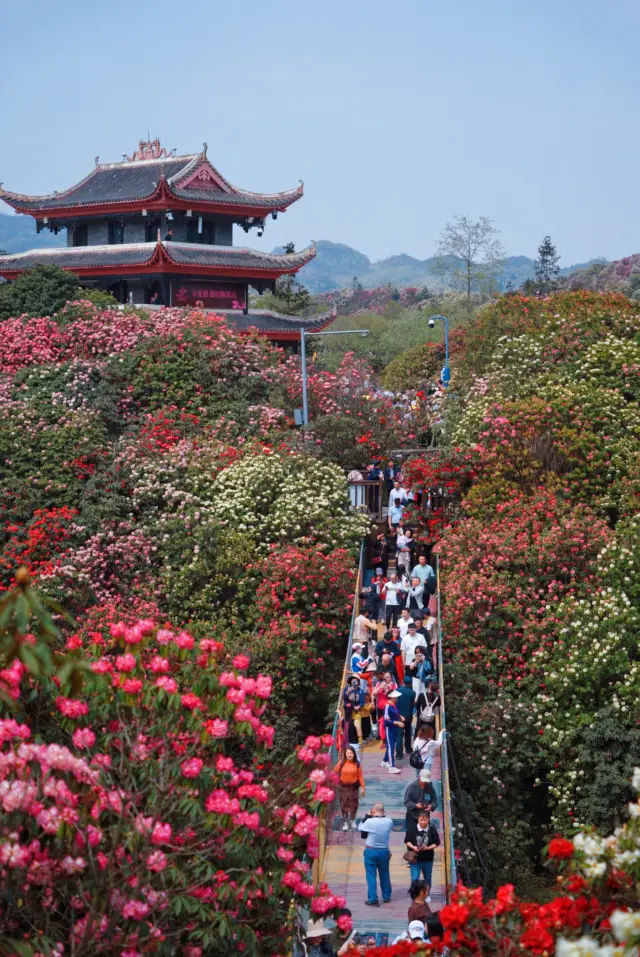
x=40, y=291
x=546, y=265
x=294, y=298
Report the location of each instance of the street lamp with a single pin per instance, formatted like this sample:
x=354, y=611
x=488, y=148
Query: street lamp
x=446, y=372
x=303, y=361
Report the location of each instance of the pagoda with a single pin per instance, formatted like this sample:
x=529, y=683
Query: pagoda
x=156, y=229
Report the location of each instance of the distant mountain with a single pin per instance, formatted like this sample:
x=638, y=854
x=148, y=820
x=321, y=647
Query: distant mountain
x=336, y=266
x=18, y=233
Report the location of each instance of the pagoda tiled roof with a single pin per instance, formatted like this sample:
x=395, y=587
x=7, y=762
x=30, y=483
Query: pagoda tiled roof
x=266, y=320
x=195, y=255
x=136, y=181
x=198, y=254
x=80, y=257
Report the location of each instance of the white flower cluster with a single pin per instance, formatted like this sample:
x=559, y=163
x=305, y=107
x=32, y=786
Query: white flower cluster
x=608, y=359
x=592, y=668
x=596, y=858
x=294, y=499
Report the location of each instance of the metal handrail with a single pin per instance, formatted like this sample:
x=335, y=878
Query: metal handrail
x=325, y=814
x=449, y=854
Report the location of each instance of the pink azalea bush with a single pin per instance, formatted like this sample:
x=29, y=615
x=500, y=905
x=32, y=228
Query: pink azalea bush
x=147, y=793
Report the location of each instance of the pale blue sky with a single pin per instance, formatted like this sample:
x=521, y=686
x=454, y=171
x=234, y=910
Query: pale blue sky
x=396, y=115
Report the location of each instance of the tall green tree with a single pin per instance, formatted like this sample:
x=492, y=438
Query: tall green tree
x=294, y=298
x=546, y=265
x=40, y=291
x=470, y=256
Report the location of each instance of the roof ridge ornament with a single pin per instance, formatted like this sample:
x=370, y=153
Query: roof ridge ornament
x=147, y=150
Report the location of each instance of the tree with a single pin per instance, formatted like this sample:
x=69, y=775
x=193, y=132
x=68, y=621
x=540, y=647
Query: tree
x=546, y=265
x=294, y=298
x=469, y=256
x=40, y=291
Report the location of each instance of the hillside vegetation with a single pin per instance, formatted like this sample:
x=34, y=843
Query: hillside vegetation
x=177, y=569
x=541, y=565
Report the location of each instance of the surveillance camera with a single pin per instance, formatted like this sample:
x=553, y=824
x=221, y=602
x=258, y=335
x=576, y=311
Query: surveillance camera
x=432, y=323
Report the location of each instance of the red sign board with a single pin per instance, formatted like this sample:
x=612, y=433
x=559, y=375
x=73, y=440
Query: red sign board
x=212, y=295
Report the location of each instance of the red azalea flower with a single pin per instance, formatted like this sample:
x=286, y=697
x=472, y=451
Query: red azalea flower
x=560, y=848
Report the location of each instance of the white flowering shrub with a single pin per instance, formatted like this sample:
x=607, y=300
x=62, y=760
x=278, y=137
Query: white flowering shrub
x=512, y=373
x=611, y=363
x=587, y=714
x=291, y=499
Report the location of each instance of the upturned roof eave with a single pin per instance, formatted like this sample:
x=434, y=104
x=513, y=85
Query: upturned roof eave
x=239, y=201
x=160, y=257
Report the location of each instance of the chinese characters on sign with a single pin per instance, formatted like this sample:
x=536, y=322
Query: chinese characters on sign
x=213, y=295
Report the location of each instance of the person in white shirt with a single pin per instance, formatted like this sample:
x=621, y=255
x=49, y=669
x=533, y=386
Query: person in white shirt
x=409, y=644
x=427, y=746
x=398, y=492
x=415, y=597
x=392, y=600
x=404, y=621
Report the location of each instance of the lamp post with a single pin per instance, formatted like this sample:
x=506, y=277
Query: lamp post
x=446, y=372
x=303, y=361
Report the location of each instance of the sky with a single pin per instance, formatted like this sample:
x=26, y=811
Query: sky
x=397, y=116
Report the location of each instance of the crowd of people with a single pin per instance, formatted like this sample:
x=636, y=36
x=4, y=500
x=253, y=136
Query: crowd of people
x=392, y=697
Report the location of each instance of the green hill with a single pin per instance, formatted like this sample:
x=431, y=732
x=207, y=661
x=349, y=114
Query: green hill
x=18, y=233
x=336, y=265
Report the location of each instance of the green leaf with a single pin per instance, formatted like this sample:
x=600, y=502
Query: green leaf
x=22, y=614
x=8, y=947
x=7, y=611
x=30, y=660
x=65, y=672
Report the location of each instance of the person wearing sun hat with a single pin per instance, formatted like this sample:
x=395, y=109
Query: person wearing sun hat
x=317, y=940
x=393, y=721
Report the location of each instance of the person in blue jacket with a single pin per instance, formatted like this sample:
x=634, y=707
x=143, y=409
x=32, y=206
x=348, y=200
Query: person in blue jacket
x=393, y=723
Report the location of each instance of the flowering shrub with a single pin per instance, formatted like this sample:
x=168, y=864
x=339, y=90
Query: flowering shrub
x=294, y=499
x=504, y=577
x=146, y=793
x=586, y=711
x=317, y=586
x=538, y=565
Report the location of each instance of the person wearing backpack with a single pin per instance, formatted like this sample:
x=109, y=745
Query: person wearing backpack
x=427, y=707
x=424, y=749
x=421, y=842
